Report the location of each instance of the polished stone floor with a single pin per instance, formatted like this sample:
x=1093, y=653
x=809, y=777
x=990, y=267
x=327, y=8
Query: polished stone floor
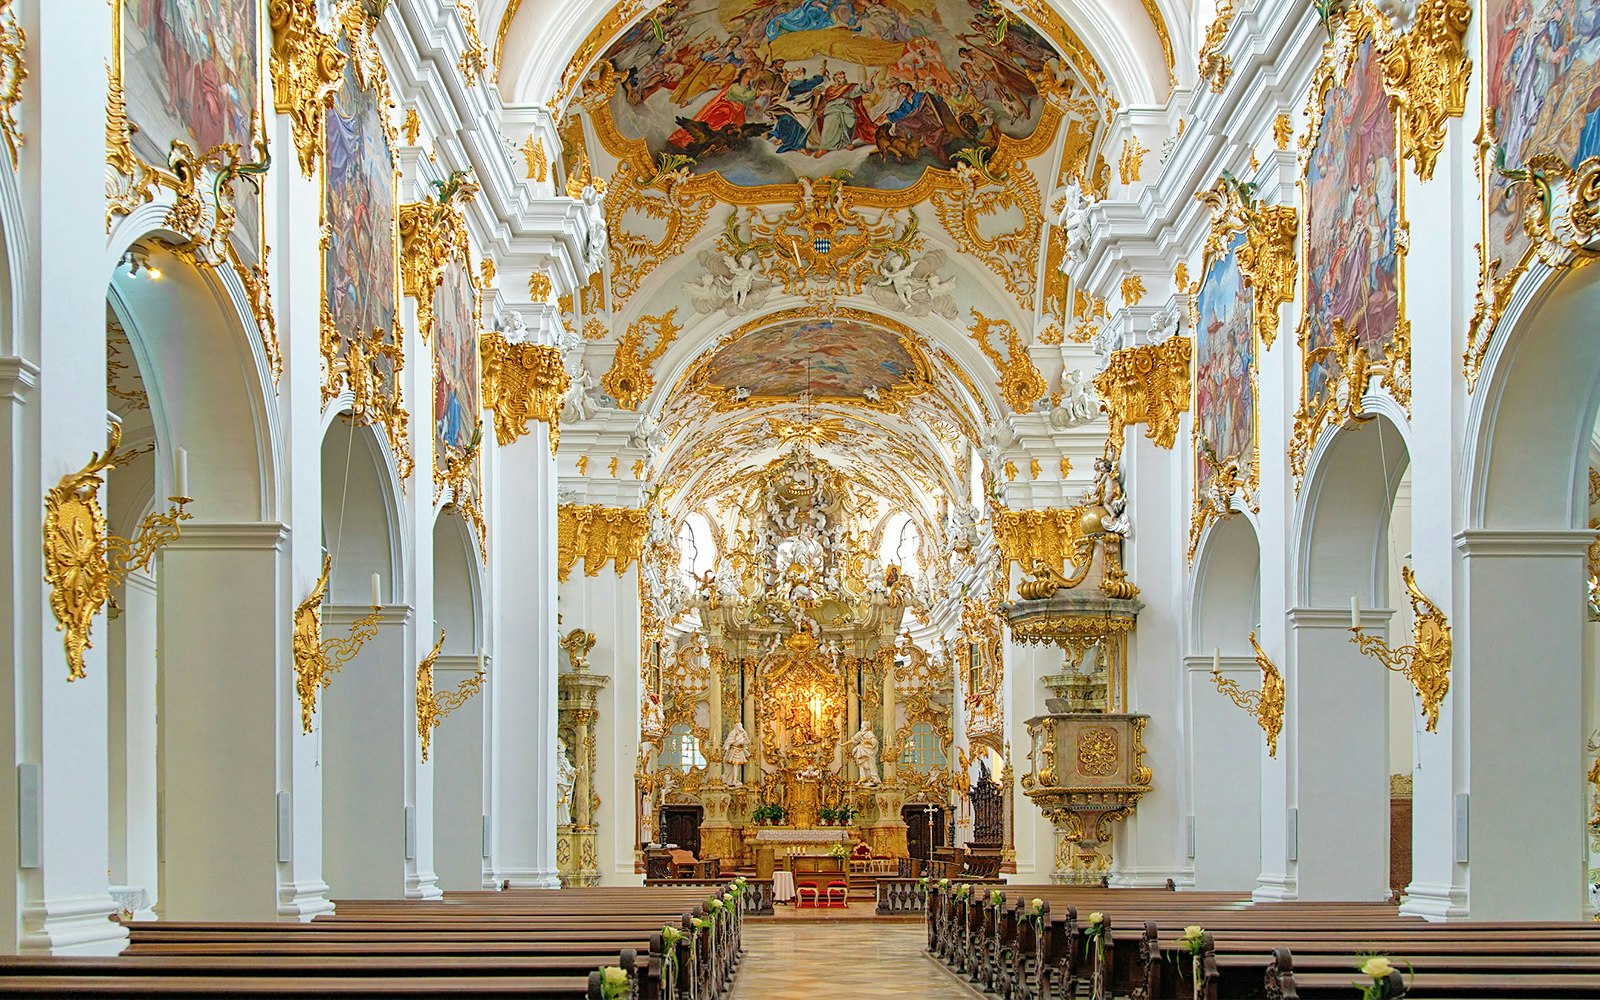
x=863, y=960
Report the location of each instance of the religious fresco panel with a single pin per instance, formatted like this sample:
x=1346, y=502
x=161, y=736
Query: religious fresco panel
x=835, y=359
x=1225, y=355
x=769, y=91
x=1352, y=265
x=360, y=266
x=455, y=363
x=191, y=72
x=1542, y=78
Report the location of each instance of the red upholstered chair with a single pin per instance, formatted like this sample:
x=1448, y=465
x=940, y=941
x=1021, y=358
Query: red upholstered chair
x=802, y=892
x=842, y=889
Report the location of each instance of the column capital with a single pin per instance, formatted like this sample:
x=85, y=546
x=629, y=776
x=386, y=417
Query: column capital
x=1524, y=542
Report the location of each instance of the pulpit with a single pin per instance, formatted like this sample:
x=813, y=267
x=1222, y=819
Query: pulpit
x=1087, y=773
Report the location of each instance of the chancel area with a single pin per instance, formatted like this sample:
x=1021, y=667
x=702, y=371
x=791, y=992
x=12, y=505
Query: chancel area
x=731, y=499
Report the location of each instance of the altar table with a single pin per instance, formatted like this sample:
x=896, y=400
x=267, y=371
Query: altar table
x=787, y=841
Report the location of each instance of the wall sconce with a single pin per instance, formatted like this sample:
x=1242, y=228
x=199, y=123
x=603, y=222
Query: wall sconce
x=1265, y=704
x=433, y=708
x=316, y=659
x=137, y=259
x=1426, y=662
x=82, y=562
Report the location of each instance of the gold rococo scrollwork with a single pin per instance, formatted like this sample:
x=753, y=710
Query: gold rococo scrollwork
x=522, y=382
x=997, y=188
x=1214, y=67
x=629, y=380
x=433, y=233
x=1426, y=661
x=13, y=71
x=433, y=707
x=307, y=69
x=1425, y=73
x=82, y=561
x=598, y=535
x=317, y=659
x=1265, y=704
x=1020, y=382
x=665, y=197
x=1147, y=385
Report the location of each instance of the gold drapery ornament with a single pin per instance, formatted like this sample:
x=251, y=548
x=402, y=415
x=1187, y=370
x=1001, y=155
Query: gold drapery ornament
x=411, y=126
x=1131, y=163
x=1425, y=74
x=522, y=382
x=432, y=234
x=82, y=562
x=1426, y=661
x=1132, y=290
x=629, y=381
x=307, y=68
x=1265, y=704
x=1214, y=67
x=1054, y=536
x=433, y=707
x=1147, y=385
x=317, y=659
x=1282, y=130
x=375, y=394
x=598, y=535
x=1020, y=382
x=539, y=286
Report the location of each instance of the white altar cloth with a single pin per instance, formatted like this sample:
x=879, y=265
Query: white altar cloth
x=782, y=886
x=796, y=835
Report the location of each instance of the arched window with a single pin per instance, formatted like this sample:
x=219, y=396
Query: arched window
x=697, y=547
x=681, y=752
x=923, y=752
x=899, y=545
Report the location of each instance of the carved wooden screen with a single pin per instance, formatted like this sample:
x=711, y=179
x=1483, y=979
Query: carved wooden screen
x=988, y=810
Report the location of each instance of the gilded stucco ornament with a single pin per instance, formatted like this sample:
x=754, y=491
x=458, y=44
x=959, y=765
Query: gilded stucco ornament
x=370, y=367
x=538, y=160
x=1267, y=260
x=1265, y=704
x=458, y=478
x=629, y=381
x=474, y=61
x=433, y=233
x=1426, y=661
x=669, y=203
x=13, y=70
x=130, y=182
x=317, y=659
x=82, y=562
x=522, y=382
x=1020, y=382
x=1147, y=385
x=598, y=535
x=307, y=68
x=1425, y=74
x=1131, y=163
x=996, y=189
x=432, y=706
x=1214, y=67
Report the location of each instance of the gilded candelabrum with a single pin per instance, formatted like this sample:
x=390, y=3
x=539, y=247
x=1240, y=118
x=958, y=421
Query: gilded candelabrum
x=82, y=562
x=433, y=707
x=1265, y=704
x=1426, y=662
x=315, y=658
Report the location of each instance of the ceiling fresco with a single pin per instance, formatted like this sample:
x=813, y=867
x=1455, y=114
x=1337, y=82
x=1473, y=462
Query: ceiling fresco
x=877, y=91
x=832, y=359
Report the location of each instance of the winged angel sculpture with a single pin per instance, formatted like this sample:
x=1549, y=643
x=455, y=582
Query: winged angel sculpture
x=732, y=283
x=914, y=286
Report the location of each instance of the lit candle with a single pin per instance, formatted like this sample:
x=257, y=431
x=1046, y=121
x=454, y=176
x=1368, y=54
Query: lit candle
x=180, y=473
x=1355, y=611
x=1216, y=660
x=377, y=601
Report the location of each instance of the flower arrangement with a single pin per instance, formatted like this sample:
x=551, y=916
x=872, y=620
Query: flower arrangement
x=838, y=852
x=964, y=891
x=1193, y=943
x=1094, y=938
x=1385, y=978
x=1033, y=912
x=670, y=936
x=613, y=983
x=997, y=898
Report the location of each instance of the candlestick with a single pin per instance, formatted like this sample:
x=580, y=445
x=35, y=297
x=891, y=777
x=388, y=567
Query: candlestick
x=377, y=601
x=180, y=473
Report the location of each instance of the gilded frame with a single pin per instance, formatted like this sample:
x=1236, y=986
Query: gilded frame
x=1358, y=26
x=1229, y=234
x=133, y=181
x=369, y=72
x=696, y=379
x=462, y=471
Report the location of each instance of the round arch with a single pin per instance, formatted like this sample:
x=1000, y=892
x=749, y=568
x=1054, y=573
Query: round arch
x=361, y=513
x=1227, y=587
x=1342, y=522
x=457, y=584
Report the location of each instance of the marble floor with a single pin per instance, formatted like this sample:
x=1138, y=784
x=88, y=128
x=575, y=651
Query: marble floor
x=791, y=960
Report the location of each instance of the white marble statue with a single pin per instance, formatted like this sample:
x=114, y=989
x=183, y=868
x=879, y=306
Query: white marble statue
x=735, y=753
x=914, y=286
x=580, y=403
x=1074, y=219
x=652, y=726
x=566, y=778
x=597, y=241
x=731, y=283
x=864, y=748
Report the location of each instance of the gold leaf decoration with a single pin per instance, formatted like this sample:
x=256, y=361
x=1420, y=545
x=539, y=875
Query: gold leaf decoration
x=1425, y=74
x=665, y=198
x=1215, y=68
x=984, y=192
x=598, y=535
x=307, y=68
x=1147, y=385
x=432, y=235
x=1020, y=382
x=522, y=382
x=629, y=381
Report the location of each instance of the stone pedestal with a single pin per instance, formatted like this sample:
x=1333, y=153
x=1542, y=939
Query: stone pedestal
x=577, y=858
x=883, y=828
x=718, y=837
x=1086, y=772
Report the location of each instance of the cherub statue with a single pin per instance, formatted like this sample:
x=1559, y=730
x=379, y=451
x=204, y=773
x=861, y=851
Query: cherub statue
x=652, y=725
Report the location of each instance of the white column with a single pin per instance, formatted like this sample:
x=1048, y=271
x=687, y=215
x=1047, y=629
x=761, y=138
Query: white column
x=131, y=649
x=60, y=727
x=1517, y=682
x=457, y=762
x=1336, y=757
x=366, y=748
x=222, y=637
x=1034, y=834
x=523, y=570
x=1226, y=751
